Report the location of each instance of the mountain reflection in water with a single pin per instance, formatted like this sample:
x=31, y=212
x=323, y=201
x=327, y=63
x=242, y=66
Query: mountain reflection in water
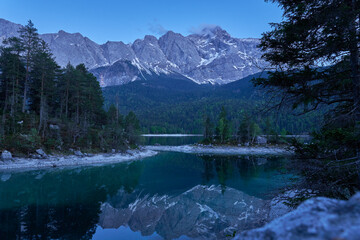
x=170, y=195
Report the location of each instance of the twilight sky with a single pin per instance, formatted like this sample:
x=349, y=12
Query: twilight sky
x=120, y=20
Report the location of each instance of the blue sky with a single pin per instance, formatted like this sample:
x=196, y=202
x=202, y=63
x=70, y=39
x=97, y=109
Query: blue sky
x=118, y=20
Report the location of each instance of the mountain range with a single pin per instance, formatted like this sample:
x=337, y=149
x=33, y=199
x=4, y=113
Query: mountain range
x=210, y=56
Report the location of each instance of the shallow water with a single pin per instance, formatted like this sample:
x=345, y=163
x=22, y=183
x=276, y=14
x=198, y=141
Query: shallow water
x=170, y=195
x=170, y=141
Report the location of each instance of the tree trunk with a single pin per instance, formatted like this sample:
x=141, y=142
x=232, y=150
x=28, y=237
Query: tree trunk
x=67, y=99
x=26, y=82
x=3, y=120
x=78, y=108
x=41, y=104
x=117, y=108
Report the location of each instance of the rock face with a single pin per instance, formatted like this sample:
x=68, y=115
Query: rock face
x=317, y=218
x=8, y=29
x=211, y=56
x=6, y=156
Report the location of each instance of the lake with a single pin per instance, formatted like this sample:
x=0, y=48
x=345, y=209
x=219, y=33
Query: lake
x=167, y=196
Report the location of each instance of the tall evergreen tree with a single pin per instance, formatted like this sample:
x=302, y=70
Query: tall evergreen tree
x=11, y=83
x=29, y=38
x=316, y=34
x=43, y=74
x=315, y=55
x=223, y=127
x=132, y=128
x=65, y=106
x=208, y=129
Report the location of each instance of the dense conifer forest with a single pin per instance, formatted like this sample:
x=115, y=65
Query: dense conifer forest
x=174, y=105
x=44, y=106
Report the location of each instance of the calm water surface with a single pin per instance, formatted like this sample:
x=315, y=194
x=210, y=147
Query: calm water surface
x=171, y=141
x=168, y=196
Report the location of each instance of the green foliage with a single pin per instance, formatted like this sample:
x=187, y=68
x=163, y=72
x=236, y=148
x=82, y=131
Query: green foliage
x=223, y=128
x=22, y=143
x=208, y=131
x=132, y=128
x=312, y=35
x=179, y=108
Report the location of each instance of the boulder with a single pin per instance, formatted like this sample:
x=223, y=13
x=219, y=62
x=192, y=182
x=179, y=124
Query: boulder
x=41, y=153
x=35, y=156
x=260, y=140
x=54, y=127
x=6, y=156
x=316, y=218
x=78, y=153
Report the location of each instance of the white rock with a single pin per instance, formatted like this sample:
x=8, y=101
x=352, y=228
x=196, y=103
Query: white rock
x=316, y=218
x=260, y=140
x=54, y=127
x=78, y=153
x=6, y=156
x=41, y=153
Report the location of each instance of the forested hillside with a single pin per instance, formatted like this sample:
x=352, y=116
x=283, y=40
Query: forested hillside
x=178, y=105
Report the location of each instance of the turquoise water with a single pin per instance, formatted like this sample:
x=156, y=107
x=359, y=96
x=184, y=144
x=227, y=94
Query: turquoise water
x=154, y=198
x=171, y=141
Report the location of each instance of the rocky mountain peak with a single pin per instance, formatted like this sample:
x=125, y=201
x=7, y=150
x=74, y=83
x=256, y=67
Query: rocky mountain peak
x=214, y=32
x=150, y=38
x=8, y=29
x=210, y=55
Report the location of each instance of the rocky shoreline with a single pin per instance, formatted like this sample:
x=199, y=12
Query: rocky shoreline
x=78, y=159
x=42, y=160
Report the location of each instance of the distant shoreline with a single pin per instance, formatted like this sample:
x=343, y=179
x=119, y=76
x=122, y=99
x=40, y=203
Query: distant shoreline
x=223, y=150
x=171, y=135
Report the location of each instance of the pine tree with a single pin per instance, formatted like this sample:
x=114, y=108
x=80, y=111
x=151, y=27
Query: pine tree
x=316, y=34
x=132, y=128
x=223, y=127
x=314, y=53
x=43, y=74
x=29, y=41
x=64, y=108
x=208, y=129
x=11, y=80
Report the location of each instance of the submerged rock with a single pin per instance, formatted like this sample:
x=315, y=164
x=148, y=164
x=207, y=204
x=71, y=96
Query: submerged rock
x=6, y=156
x=316, y=218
